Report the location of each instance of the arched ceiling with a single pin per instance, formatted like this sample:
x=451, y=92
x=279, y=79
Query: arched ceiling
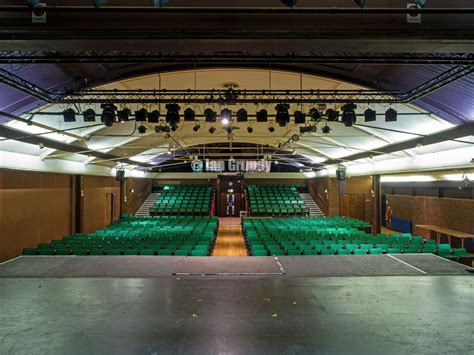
x=122, y=140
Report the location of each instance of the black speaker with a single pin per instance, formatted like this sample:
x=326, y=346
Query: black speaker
x=341, y=174
x=120, y=175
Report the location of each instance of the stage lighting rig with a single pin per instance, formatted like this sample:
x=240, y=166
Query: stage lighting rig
x=154, y=116
x=108, y=114
x=210, y=114
x=282, y=116
x=300, y=117
x=69, y=115
x=172, y=116
x=349, y=116
x=262, y=115
x=189, y=115
x=370, y=115
x=141, y=115
x=142, y=129
x=326, y=129
x=315, y=115
x=89, y=115
x=391, y=115
x=332, y=115
x=242, y=115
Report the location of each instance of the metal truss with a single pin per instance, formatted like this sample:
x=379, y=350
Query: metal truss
x=203, y=57
x=25, y=86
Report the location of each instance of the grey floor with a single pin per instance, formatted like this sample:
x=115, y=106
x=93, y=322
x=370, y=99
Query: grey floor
x=234, y=314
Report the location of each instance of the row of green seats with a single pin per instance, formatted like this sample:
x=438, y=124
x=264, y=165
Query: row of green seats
x=275, y=200
x=186, y=236
x=184, y=200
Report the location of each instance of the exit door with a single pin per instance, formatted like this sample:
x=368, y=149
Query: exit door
x=353, y=206
x=230, y=195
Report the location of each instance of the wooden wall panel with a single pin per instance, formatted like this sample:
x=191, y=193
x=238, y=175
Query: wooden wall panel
x=136, y=192
x=34, y=208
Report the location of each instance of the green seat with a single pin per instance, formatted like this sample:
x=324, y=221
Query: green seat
x=343, y=252
x=63, y=251
x=30, y=251
x=79, y=252
x=293, y=252
x=182, y=252
x=165, y=252
x=394, y=251
x=327, y=252
x=46, y=252
x=97, y=252
x=260, y=253
x=198, y=253
x=147, y=252
x=375, y=251
x=360, y=252
x=130, y=252
x=113, y=252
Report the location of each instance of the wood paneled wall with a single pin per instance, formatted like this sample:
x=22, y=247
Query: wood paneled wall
x=136, y=191
x=34, y=208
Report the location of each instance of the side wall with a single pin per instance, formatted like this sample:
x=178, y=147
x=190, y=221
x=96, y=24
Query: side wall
x=34, y=208
x=451, y=213
x=135, y=193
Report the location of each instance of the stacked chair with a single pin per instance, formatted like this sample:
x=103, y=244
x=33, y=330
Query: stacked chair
x=183, y=200
x=167, y=235
x=275, y=200
x=333, y=236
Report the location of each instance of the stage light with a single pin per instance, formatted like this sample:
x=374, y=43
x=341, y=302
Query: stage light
x=142, y=129
x=212, y=130
x=300, y=117
x=140, y=115
x=349, y=116
x=332, y=115
x=360, y=3
x=124, y=114
x=289, y=3
x=210, y=114
x=242, y=115
x=174, y=128
x=250, y=129
x=69, y=115
x=226, y=116
x=308, y=129
x=108, y=114
x=315, y=115
x=370, y=115
x=421, y=3
x=169, y=151
x=154, y=116
x=326, y=129
x=189, y=115
x=271, y=129
x=282, y=116
x=262, y=115
x=276, y=162
x=172, y=116
x=391, y=115
x=89, y=115
x=196, y=127
x=159, y=129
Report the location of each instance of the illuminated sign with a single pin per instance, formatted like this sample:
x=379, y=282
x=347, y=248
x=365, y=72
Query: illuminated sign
x=233, y=165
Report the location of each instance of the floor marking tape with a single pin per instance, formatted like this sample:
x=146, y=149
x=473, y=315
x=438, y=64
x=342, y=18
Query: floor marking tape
x=280, y=265
x=413, y=267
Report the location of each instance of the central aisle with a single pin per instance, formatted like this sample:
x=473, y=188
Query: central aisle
x=230, y=240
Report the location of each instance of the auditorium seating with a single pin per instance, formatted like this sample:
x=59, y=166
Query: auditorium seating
x=184, y=200
x=333, y=236
x=165, y=235
x=275, y=200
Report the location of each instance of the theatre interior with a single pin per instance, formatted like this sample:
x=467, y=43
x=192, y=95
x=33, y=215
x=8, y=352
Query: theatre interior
x=241, y=177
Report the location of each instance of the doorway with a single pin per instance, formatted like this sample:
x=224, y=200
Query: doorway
x=353, y=206
x=230, y=195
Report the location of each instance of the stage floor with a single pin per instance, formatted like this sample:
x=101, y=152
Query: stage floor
x=284, y=266
x=154, y=305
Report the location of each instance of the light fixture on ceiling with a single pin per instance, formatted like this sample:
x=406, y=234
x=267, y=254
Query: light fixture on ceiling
x=289, y=3
x=168, y=151
x=226, y=116
x=142, y=129
x=282, y=116
x=391, y=115
x=300, y=117
x=69, y=115
x=196, y=127
x=210, y=114
x=315, y=114
x=108, y=114
x=172, y=116
x=141, y=115
x=212, y=130
x=124, y=115
x=326, y=129
x=250, y=129
x=89, y=115
x=189, y=115
x=242, y=115
x=349, y=116
x=262, y=115
x=370, y=115
x=332, y=115
x=271, y=129
x=154, y=116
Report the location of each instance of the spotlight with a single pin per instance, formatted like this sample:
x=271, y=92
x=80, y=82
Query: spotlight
x=154, y=116
x=160, y=129
x=124, y=115
x=332, y=115
x=282, y=116
x=140, y=115
x=89, y=115
x=108, y=114
x=315, y=114
x=174, y=128
x=326, y=129
x=169, y=151
x=212, y=130
x=421, y=3
x=250, y=129
x=289, y=3
x=308, y=129
x=196, y=127
x=229, y=130
x=370, y=115
x=391, y=115
x=242, y=115
x=360, y=3
x=210, y=114
x=172, y=116
x=69, y=115
x=348, y=114
x=271, y=129
x=262, y=115
x=300, y=117
x=189, y=115
x=226, y=116
x=142, y=129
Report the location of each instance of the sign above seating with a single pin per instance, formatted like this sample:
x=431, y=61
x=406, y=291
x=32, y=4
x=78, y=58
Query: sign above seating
x=231, y=165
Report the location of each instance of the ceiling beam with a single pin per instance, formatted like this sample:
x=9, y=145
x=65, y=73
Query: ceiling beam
x=439, y=137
